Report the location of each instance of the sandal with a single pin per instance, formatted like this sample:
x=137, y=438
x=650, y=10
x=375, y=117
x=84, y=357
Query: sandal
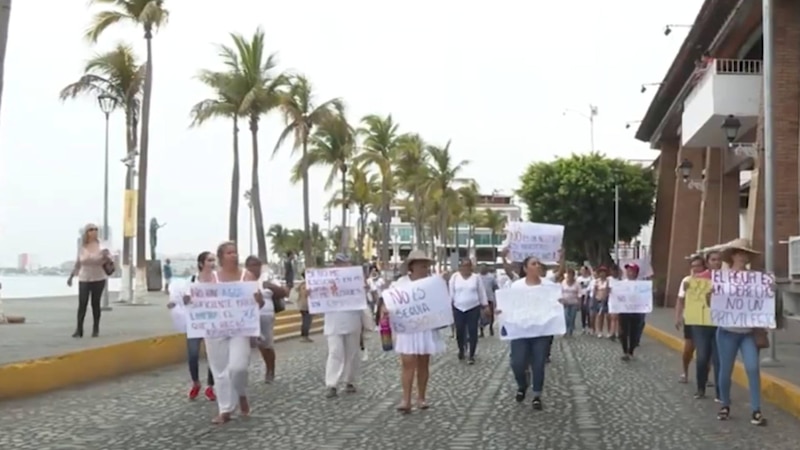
x=404, y=409
x=724, y=413
x=423, y=405
x=221, y=419
x=244, y=406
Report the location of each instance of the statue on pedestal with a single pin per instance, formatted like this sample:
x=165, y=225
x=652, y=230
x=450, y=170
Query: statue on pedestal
x=154, y=227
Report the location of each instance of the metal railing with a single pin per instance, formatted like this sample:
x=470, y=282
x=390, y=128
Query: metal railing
x=737, y=67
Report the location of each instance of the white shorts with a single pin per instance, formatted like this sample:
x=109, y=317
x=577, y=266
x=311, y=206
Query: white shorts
x=267, y=338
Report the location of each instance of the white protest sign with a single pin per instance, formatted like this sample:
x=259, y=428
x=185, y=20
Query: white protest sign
x=742, y=299
x=418, y=305
x=541, y=240
x=631, y=296
x=223, y=310
x=178, y=312
x=527, y=312
x=332, y=289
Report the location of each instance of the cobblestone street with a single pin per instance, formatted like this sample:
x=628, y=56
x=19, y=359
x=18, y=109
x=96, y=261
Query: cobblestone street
x=592, y=401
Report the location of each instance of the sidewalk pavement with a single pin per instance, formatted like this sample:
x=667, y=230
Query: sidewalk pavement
x=50, y=322
x=780, y=383
x=788, y=344
x=596, y=401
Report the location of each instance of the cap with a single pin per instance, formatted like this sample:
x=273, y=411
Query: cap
x=602, y=269
x=341, y=257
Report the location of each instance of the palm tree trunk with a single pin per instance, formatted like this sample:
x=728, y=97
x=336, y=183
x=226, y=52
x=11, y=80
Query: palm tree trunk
x=362, y=229
x=255, y=193
x=386, y=218
x=144, y=145
x=233, y=217
x=307, y=250
x=345, y=206
x=494, y=248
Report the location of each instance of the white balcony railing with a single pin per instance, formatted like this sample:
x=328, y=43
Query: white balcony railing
x=794, y=256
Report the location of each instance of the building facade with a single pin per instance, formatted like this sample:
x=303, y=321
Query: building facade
x=707, y=120
x=483, y=247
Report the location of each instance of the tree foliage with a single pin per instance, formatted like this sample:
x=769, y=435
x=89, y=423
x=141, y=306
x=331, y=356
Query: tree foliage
x=578, y=192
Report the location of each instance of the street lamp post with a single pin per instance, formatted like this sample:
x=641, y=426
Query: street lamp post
x=107, y=104
x=248, y=198
x=593, y=112
x=5, y=18
x=127, y=250
x=616, y=220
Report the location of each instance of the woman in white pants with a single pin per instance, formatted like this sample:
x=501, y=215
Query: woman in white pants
x=343, y=332
x=229, y=357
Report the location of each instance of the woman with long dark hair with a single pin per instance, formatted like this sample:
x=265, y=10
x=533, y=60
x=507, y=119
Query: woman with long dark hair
x=90, y=268
x=205, y=268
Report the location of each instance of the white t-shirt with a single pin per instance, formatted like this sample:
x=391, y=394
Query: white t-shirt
x=467, y=293
x=585, y=283
x=570, y=293
x=682, y=288
x=520, y=283
x=269, y=308
x=376, y=284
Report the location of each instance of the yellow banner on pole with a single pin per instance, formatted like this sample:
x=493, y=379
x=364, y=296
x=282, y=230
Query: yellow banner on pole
x=129, y=213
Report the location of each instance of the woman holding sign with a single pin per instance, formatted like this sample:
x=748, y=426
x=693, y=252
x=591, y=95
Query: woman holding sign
x=229, y=357
x=733, y=340
x=630, y=323
x=415, y=348
x=530, y=353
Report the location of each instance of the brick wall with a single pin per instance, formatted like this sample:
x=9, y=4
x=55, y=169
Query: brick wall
x=662, y=221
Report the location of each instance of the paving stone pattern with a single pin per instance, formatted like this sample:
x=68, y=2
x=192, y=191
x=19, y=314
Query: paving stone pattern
x=593, y=401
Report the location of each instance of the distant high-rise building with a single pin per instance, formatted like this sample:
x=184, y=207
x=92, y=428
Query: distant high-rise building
x=26, y=262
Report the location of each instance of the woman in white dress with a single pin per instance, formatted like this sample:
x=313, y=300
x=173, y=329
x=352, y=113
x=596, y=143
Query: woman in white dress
x=415, y=349
x=229, y=357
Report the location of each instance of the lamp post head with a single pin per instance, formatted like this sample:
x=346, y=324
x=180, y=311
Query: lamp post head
x=644, y=89
x=685, y=169
x=667, y=30
x=107, y=103
x=731, y=126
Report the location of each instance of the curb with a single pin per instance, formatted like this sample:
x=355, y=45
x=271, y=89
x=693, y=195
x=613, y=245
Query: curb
x=774, y=390
x=33, y=377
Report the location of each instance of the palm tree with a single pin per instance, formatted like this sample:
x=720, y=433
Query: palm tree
x=279, y=239
x=226, y=104
x=117, y=74
x=381, y=145
x=495, y=222
x=302, y=114
x=411, y=173
x=333, y=144
x=469, y=199
x=444, y=174
x=361, y=189
x=150, y=15
x=259, y=86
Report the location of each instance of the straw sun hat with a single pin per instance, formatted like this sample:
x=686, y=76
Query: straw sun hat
x=415, y=255
x=736, y=245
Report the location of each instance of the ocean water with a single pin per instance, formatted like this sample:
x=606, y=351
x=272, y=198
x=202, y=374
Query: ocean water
x=25, y=286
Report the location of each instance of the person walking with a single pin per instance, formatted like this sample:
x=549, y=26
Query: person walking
x=529, y=355
x=273, y=297
x=167, y=275
x=468, y=297
x=491, y=286
x=343, y=330
x=206, y=264
x=571, y=299
x=229, y=357
x=415, y=349
x=302, y=306
x=92, y=267
x=630, y=323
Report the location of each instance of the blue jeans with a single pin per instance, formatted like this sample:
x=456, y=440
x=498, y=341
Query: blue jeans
x=728, y=344
x=570, y=312
x=705, y=343
x=193, y=350
x=530, y=353
x=466, y=324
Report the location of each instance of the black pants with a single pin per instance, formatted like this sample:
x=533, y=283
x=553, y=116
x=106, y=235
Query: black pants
x=90, y=290
x=629, y=331
x=585, y=313
x=305, y=323
x=466, y=323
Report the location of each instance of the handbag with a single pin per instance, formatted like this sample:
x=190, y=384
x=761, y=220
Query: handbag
x=108, y=267
x=761, y=338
